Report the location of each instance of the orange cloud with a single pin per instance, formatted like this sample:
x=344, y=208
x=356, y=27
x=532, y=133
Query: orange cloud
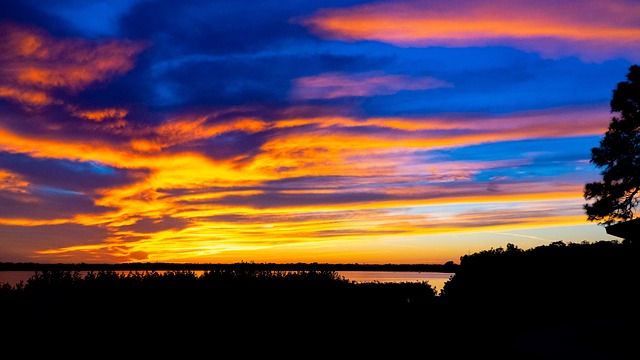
x=279, y=197
x=28, y=97
x=592, y=29
x=334, y=148
x=593, y=121
x=178, y=131
x=268, y=231
x=10, y=182
x=100, y=114
x=331, y=148
x=182, y=130
x=34, y=58
x=33, y=63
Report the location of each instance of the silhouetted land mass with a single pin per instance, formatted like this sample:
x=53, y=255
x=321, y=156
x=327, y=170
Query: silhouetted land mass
x=558, y=301
x=448, y=267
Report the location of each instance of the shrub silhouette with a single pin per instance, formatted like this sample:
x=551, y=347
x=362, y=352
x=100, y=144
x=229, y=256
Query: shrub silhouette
x=495, y=299
x=553, y=282
x=52, y=295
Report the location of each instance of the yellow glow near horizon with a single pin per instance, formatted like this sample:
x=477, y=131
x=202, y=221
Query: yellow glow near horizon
x=273, y=230
x=194, y=177
x=253, y=183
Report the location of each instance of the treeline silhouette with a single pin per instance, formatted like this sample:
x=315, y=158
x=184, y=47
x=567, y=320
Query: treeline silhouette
x=557, y=301
x=560, y=301
x=603, y=273
x=448, y=267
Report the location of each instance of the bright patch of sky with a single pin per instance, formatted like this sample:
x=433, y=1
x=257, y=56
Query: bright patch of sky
x=95, y=18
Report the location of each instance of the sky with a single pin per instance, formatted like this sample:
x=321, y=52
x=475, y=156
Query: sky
x=336, y=131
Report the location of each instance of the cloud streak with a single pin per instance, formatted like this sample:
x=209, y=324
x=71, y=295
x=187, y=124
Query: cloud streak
x=34, y=63
x=336, y=85
x=387, y=126
x=591, y=29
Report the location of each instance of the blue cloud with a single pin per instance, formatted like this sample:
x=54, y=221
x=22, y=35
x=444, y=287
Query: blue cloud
x=65, y=175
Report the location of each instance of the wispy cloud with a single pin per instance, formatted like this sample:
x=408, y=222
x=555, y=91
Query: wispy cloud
x=594, y=30
x=175, y=141
x=33, y=63
x=334, y=85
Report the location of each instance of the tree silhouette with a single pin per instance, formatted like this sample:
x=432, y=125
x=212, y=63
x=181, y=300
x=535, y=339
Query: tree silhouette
x=616, y=197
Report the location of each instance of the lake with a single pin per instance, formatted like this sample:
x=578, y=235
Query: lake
x=435, y=279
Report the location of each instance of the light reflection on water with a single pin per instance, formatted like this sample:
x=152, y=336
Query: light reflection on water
x=14, y=277
x=435, y=279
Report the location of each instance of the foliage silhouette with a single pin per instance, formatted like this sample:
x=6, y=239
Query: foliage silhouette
x=558, y=301
x=616, y=197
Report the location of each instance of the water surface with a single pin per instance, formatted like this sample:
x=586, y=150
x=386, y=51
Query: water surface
x=435, y=279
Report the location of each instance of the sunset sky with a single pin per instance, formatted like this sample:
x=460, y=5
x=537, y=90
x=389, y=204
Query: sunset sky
x=302, y=131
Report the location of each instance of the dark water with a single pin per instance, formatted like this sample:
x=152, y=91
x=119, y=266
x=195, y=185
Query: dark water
x=435, y=279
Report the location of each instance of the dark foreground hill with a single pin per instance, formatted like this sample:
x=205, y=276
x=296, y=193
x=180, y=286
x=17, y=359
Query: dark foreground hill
x=561, y=301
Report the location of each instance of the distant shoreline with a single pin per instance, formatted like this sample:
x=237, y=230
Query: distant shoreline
x=448, y=267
